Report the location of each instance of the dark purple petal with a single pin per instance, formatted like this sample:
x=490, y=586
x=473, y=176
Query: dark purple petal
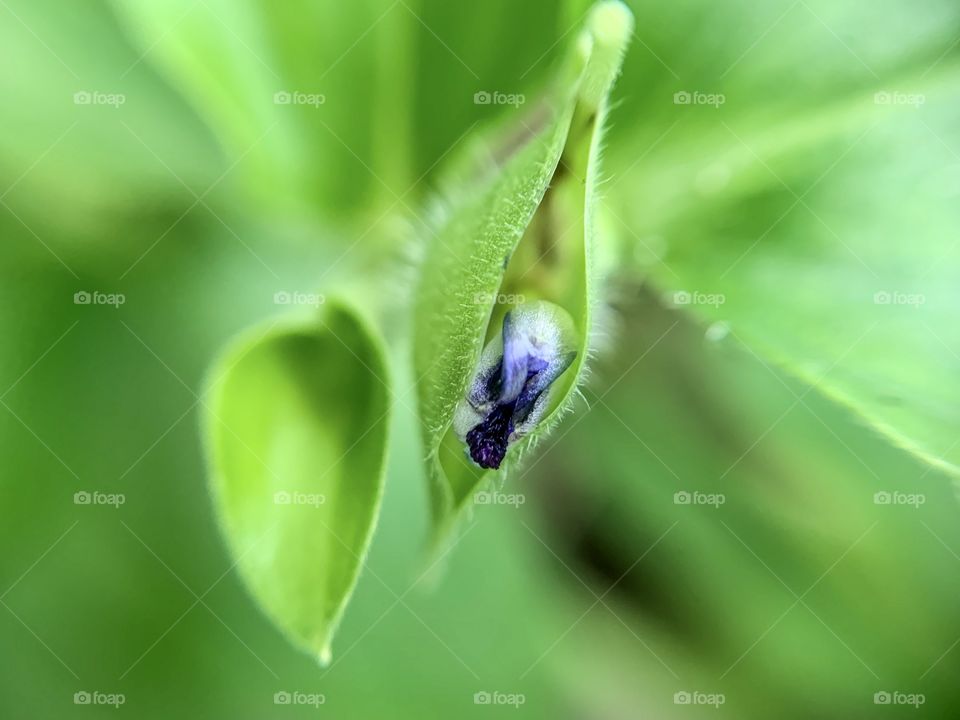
x=488, y=440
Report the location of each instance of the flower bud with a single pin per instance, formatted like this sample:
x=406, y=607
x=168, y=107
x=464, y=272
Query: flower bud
x=509, y=393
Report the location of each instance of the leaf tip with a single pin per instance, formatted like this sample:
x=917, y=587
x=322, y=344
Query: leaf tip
x=607, y=34
x=611, y=23
x=325, y=656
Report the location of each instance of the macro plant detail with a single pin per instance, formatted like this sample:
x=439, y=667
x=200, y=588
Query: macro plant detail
x=525, y=230
x=401, y=358
x=509, y=393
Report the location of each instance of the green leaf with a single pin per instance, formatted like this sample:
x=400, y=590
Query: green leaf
x=831, y=241
x=686, y=421
x=798, y=202
x=277, y=83
x=466, y=62
x=83, y=130
x=518, y=225
x=297, y=435
x=830, y=51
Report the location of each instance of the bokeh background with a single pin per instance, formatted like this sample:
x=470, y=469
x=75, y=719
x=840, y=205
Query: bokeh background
x=145, y=155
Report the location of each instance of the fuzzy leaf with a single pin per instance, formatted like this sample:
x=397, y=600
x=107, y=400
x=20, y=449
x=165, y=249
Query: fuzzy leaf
x=518, y=227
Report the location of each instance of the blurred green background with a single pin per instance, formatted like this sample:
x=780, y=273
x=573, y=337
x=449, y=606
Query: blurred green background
x=145, y=153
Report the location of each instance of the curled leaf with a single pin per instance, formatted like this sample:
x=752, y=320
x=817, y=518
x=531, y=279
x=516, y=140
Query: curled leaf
x=517, y=229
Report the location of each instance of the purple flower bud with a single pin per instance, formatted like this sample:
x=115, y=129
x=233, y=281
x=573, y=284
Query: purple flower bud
x=508, y=396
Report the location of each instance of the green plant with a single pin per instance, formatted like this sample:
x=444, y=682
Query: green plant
x=508, y=302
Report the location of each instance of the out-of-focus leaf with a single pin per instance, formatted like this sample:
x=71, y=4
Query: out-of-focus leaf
x=459, y=53
x=503, y=234
x=297, y=434
x=836, y=255
x=821, y=212
x=85, y=121
x=278, y=84
x=773, y=62
x=357, y=148
x=700, y=500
